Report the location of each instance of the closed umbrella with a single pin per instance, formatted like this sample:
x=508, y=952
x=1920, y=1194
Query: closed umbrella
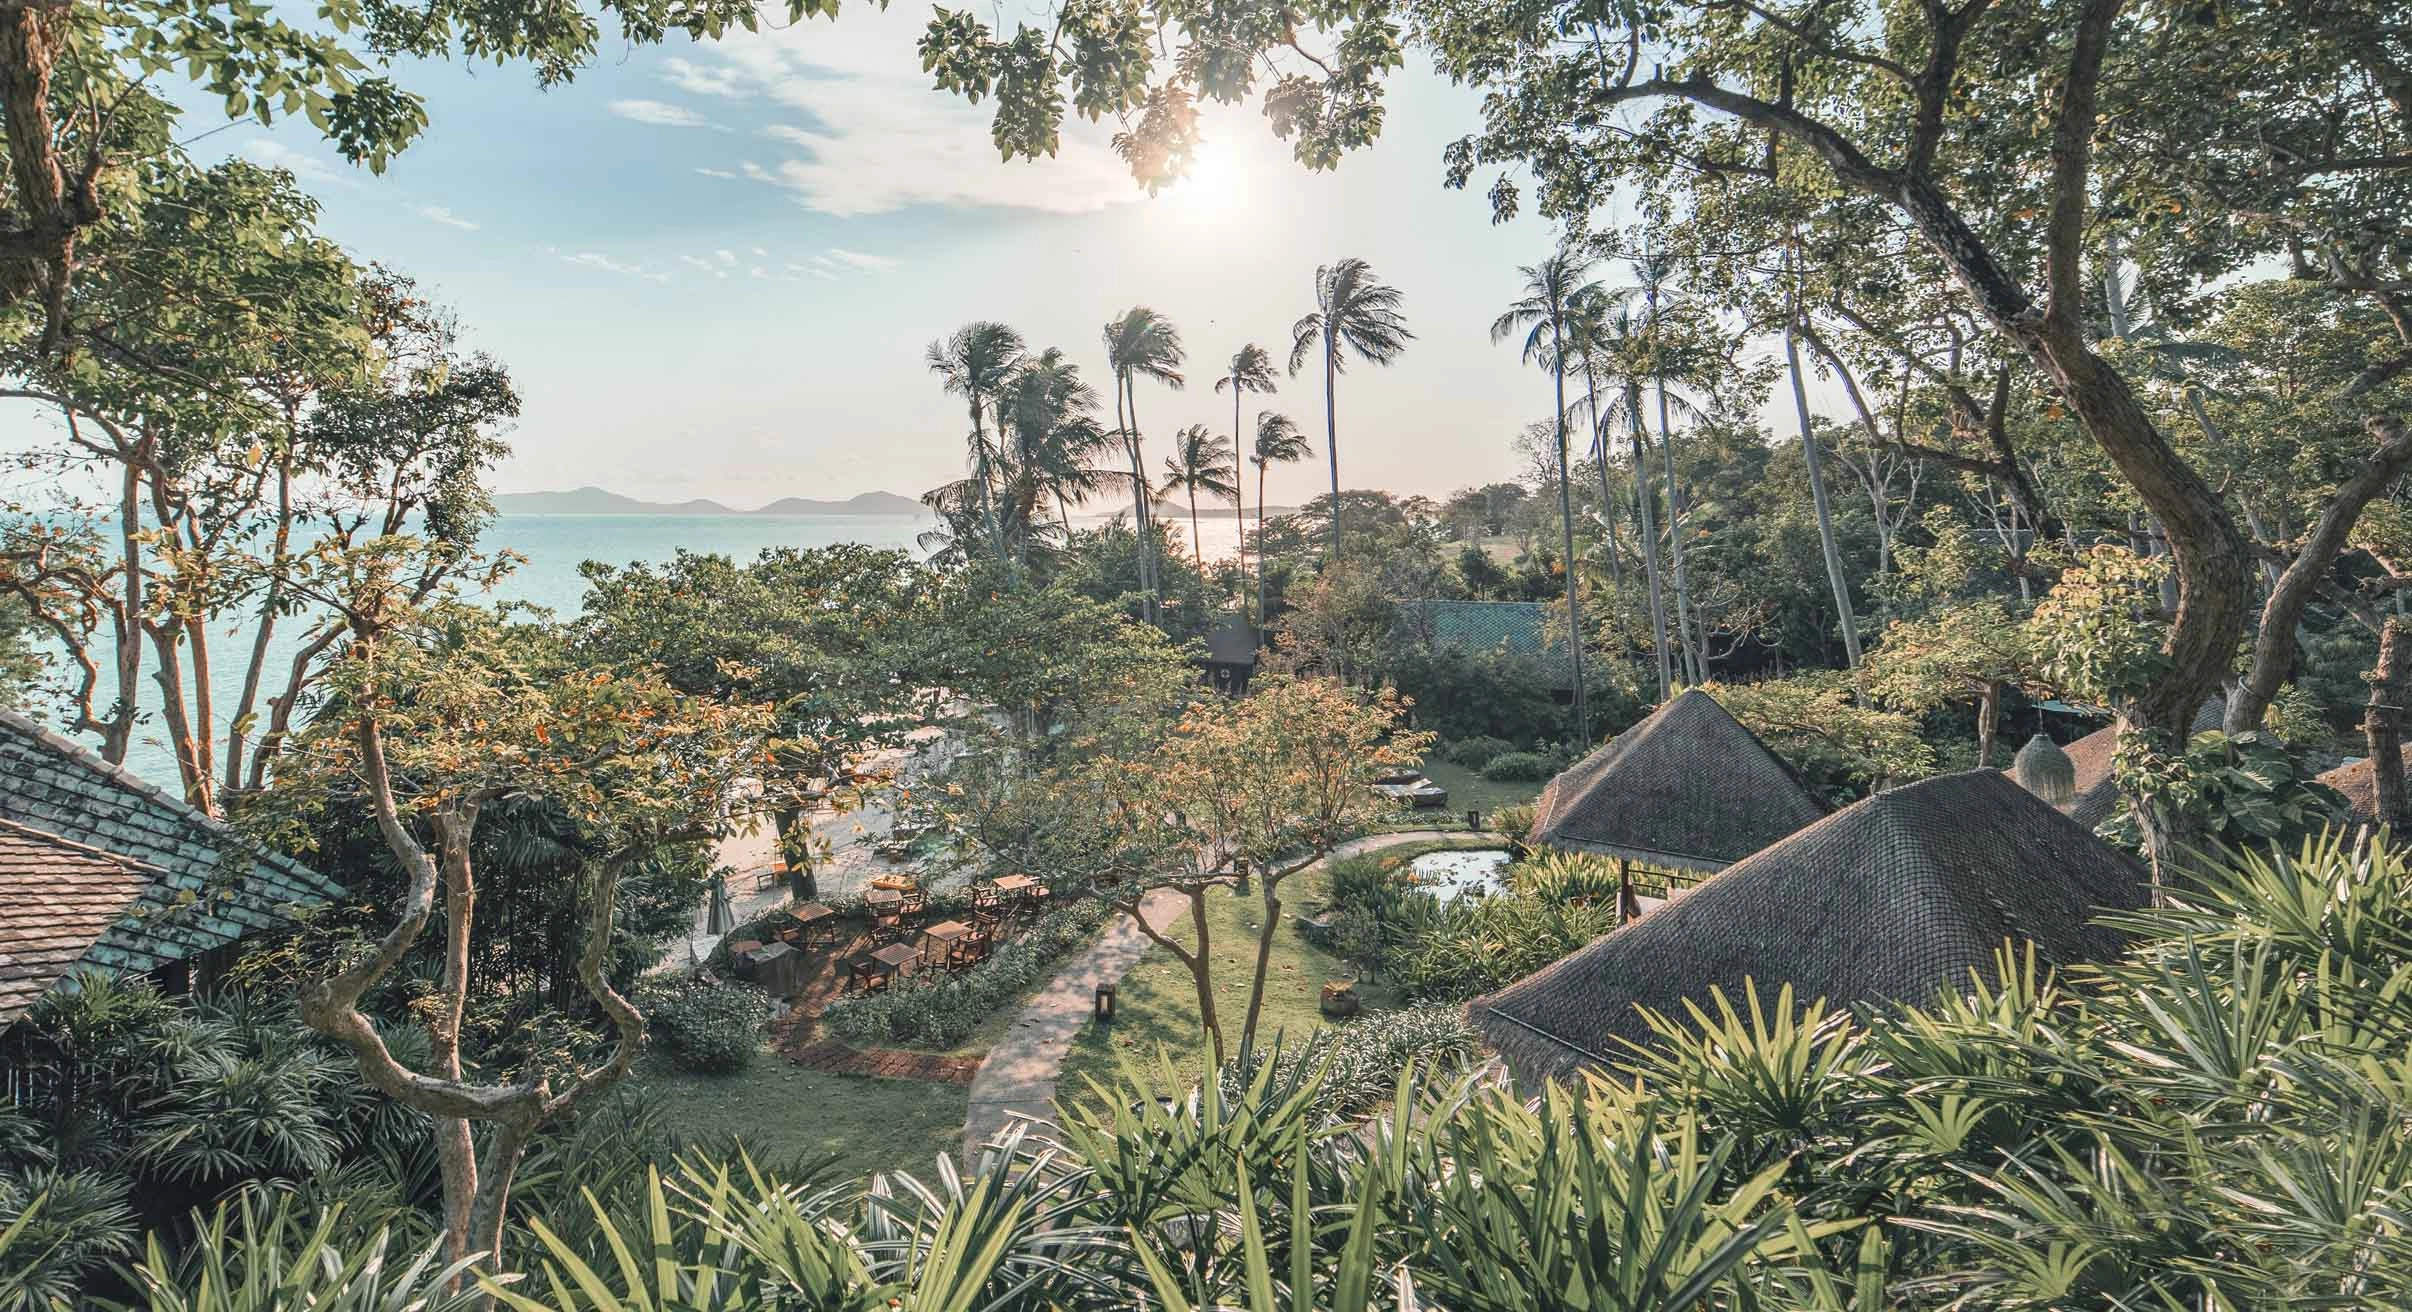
x=719, y=916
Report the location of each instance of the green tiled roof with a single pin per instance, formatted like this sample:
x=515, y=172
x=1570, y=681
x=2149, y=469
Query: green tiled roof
x=214, y=886
x=1515, y=627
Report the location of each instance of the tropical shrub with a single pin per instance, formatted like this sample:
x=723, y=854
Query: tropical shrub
x=1476, y=752
x=1515, y=821
x=940, y=1010
x=1355, y=1066
x=1516, y=768
x=1450, y=951
x=704, y=1023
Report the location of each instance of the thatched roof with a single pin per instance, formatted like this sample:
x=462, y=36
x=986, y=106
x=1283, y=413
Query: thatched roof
x=2097, y=796
x=1686, y=789
x=1888, y=899
x=2359, y=782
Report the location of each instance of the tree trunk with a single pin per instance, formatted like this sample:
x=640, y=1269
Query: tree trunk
x=1264, y=956
x=1197, y=544
x=1649, y=537
x=1817, y=496
x=2382, y=722
x=988, y=505
x=1201, y=974
x=1239, y=496
x=1989, y=718
x=1599, y=452
x=1331, y=428
x=1574, y=599
x=1694, y=665
x=1126, y=406
x=1260, y=546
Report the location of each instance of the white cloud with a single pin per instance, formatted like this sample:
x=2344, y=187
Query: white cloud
x=721, y=173
x=598, y=260
x=806, y=270
x=725, y=257
x=871, y=137
x=694, y=79
x=660, y=114
x=269, y=153
x=438, y=214
x=858, y=260
x=705, y=265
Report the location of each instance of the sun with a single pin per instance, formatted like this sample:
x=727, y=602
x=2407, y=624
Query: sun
x=1214, y=189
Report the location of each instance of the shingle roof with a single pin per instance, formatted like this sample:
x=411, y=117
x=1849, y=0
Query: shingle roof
x=1233, y=642
x=211, y=887
x=2358, y=780
x=1688, y=788
x=56, y=899
x=1887, y=899
x=1518, y=628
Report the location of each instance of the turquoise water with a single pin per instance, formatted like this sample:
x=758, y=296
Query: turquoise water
x=553, y=547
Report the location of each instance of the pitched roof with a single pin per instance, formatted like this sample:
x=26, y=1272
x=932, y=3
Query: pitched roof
x=1688, y=788
x=2358, y=781
x=1232, y=642
x=210, y=887
x=1889, y=898
x=2097, y=795
x=1518, y=628
x=56, y=900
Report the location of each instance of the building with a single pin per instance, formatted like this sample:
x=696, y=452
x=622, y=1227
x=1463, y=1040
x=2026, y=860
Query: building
x=100, y=870
x=1514, y=628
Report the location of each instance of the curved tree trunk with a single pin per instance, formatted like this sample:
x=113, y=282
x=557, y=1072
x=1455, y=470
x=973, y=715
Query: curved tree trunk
x=1649, y=537
x=1695, y=662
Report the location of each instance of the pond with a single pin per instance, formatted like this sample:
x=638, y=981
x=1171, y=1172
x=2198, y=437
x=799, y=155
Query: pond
x=1449, y=875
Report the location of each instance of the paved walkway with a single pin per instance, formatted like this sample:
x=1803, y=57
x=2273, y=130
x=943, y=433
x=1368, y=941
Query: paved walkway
x=1017, y=1081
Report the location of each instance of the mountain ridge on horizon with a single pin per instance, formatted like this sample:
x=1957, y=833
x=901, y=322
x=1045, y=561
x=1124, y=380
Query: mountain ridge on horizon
x=591, y=500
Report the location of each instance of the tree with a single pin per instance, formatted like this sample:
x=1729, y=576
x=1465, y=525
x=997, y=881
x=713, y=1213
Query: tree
x=435, y=717
x=976, y=363
x=1553, y=291
x=1273, y=781
x=1199, y=463
x=1278, y=442
x=1354, y=312
x=1141, y=344
x=1813, y=453
x=1968, y=649
x=1251, y=371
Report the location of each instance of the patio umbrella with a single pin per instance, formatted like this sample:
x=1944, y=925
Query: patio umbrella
x=719, y=916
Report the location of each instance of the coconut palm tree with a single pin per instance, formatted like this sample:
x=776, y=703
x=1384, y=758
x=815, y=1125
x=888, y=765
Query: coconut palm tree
x=1613, y=347
x=1354, y=312
x=1553, y=291
x=975, y=364
x=1141, y=344
x=1054, y=437
x=1811, y=452
x=1202, y=461
x=1278, y=442
x=1653, y=269
x=1251, y=371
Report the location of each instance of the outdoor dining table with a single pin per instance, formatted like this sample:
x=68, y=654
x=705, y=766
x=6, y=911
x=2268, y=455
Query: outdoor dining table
x=811, y=913
x=1016, y=885
x=897, y=956
x=944, y=935
x=883, y=899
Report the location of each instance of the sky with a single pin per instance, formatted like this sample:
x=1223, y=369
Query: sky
x=713, y=268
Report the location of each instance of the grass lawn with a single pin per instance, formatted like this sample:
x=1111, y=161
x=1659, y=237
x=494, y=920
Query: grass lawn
x=1469, y=791
x=1157, y=1005
x=782, y=1112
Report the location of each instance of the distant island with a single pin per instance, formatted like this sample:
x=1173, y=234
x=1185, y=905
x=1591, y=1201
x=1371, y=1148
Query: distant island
x=596, y=501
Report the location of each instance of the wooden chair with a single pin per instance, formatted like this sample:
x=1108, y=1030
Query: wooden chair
x=989, y=922
x=916, y=901
x=886, y=929
x=972, y=948
x=868, y=976
x=986, y=898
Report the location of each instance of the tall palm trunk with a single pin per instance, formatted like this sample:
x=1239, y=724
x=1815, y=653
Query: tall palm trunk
x=1649, y=539
x=1694, y=665
x=1239, y=500
x=1197, y=545
x=1260, y=546
x=1817, y=496
x=1574, y=603
x=1599, y=451
x=1127, y=420
x=1331, y=431
x=988, y=503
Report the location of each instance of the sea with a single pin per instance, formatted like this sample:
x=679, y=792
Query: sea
x=551, y=547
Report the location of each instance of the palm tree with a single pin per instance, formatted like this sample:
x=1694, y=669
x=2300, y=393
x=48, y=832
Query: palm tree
x=1251, y=371
x=1810, y=451
x=1141, y=344
x=1201, y=461
x=1614, y=347
x=1054, y=437
x=975, y=364
x=1553, y=291
x=1278, y=441
x=1356, y=311
x=1653, y=269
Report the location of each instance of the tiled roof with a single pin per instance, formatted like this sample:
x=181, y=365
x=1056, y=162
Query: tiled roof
x=1688, y=788
x=211, y=888
x=56, y=899
x=1519, y=628
x=2358, y=781
x=1889, y=899
x=2097, y=792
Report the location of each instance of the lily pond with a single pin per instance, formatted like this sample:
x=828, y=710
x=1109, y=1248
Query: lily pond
x=1450, y=875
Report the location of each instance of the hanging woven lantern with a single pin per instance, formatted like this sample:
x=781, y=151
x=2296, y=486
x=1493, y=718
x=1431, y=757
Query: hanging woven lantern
x=2046, y=771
